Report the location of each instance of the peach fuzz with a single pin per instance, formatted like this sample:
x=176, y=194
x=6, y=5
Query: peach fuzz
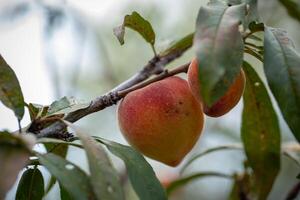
x=162, y=120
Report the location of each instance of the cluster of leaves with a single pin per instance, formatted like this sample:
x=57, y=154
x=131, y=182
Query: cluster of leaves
x=225, y=30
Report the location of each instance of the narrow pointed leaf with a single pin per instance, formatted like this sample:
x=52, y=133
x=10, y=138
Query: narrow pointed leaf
x=10, y=90
x=57, y=141
x=219, y=48
x=34, y=110
x=57, y=149
x=293, y=8
x=141, y=174
x=282, y=69
x=179, y=46
x=260, y=132
x=210, y=150
x=72, y=178
x=137, y=23
x=31, y=185
x=185, y=180
x=104, y=178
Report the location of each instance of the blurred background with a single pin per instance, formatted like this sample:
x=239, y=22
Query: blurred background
x=67, y=48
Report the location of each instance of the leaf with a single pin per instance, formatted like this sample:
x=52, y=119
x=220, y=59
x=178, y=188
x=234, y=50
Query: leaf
x=185, y=180
x=260, y=132
x=10, y=90
x=57, y=141
x=253, y=37
x=72, y=178
x=137, y=23
x=252, y=13
x=282, y=69
x=36, y=110
x=255, y=27
x=293, y=157
x=104, y=178
x=14, y=154
x=243, y=187
x=58, y=147
x=141, y=174
x=64, y=195
x=33, y=110
x=31, y=185
x=179, y=46
x=210, y=150
x=293, y=8
x=65, y=105
x=60, y=150
x=219, y=48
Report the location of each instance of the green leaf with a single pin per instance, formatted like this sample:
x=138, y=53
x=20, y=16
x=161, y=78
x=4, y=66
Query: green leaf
x=137, y=23
x=252, y=13
x=210, y=150
x=243, y=187
x=65, y=105
x=141, y=174
x=260, y=132
x=14, y=154
x=64, y=195
x=36, y=110
x=10, y=90
x=56, y=141
x=179, y=46
x=33, y=110
x=293, y=8
x=185, y=180
x=219, y=48
x=72, y=178
x=31, y=185
x=104, y=178
x=282, y=69
x=255, y=27
x=57, y=149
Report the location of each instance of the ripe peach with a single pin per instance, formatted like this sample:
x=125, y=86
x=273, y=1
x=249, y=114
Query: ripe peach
x=162, y=120
x=225, y=103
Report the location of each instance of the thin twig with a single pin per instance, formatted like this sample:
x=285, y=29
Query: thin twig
x=56, y=129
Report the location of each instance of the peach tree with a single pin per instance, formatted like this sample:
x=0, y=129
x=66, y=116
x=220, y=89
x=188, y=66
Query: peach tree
x=162, y=116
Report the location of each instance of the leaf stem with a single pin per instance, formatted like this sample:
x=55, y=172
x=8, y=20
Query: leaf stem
x=154, y=50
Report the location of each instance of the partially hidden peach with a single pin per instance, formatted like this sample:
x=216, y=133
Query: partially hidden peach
x=226, y=102
x=162, y=120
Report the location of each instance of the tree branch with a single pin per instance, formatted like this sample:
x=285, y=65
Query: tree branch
x=153, y=67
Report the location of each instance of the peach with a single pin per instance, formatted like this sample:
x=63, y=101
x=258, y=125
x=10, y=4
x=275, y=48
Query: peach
x=162, y=120
x=226, y=102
